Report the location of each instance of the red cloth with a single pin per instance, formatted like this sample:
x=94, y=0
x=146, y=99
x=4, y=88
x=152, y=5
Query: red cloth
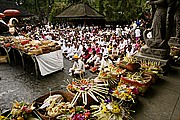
x=89, y=50
x=86, y=56
x=97, y=50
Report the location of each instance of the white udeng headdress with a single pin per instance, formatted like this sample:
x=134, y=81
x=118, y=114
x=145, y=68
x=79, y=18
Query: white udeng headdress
x=11, y=21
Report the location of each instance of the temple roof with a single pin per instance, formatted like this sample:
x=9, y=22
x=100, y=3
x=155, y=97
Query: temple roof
x=80, y=10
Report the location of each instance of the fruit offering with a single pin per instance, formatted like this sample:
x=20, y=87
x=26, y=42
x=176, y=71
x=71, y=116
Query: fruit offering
x=29, y=46
x=139, y=79
x=125, y=92
x=20, y=111
x=110, y=110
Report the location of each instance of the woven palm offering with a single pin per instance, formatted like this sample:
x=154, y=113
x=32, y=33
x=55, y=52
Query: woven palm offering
x=110, y=110
x=115, y=70
x=19, y=111
x=129, y=63
x=87, y=91
x=125, y=92
x=139, y=79
x=153, y=68
x=110, y=75
x=151, y=65
x=107, y=78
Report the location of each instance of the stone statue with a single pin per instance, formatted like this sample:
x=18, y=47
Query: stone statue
x=175, y=40
x=169, y=23
x=177, y=18
x=158, y=27
x=157, y=46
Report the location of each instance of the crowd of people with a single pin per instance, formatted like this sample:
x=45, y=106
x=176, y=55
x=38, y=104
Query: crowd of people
x=91, y=47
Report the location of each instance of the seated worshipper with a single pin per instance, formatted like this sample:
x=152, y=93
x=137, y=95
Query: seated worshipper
x=110, y=46
x=104, y=49
x=129, y=52
x=97, y=48
x=78, y=67
x=70, y=51
x=115, y=53
x=89, y=48
x=105, y=63
x=86, y=56
x=80, y=50
x=75, y=50
x=66, y=46
x=65, y=49
x=121, y=45
x=97, y=63
x=91, y=60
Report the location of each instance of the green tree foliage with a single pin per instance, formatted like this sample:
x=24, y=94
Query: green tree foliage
x=123, y=10
x=57, y=8
x=118, y=11
x=115, y=11
x=44, y=9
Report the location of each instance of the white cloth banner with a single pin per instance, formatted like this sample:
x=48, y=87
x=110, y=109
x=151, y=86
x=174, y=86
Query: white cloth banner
x=50, y=62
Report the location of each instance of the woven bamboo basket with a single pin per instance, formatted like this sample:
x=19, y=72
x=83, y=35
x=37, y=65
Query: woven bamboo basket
x=39, y=101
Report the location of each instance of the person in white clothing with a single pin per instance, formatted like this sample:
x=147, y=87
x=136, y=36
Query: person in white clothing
x=121, y=46
x=78, y=67
x=118, y=30
x=97, y=63
x=105, y=63
x=137, y=33
x=104, y=49
x=70, y=51
x=91, y=60
x=130, y=52
x=98, y=60
x=115, y=53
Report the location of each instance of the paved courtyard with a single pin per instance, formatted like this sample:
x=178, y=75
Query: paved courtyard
x=161, y=102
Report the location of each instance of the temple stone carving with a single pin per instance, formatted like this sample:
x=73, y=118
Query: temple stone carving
x=162, y=29
x=175, y=40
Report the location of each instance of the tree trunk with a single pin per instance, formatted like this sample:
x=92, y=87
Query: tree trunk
x=39, y=10
x=35, y=5
x=52, y=1
x=49, y=2
x=101, y=7
x=18, y=2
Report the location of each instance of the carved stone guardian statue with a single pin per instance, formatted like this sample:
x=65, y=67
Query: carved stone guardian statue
x=157, y=46
x=175, y=40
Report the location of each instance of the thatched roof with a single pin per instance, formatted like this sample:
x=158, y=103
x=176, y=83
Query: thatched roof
x=80, y=10
x=7, y=4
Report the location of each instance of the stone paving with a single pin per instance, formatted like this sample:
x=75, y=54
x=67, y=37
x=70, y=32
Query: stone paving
x=161, y=102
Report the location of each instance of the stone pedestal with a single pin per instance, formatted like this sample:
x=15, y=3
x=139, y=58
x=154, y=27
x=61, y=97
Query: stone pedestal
x=165, y=63
x=174, y=41
x=155, y=52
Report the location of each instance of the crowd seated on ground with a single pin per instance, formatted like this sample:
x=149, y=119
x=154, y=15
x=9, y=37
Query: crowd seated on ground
x=94, y=46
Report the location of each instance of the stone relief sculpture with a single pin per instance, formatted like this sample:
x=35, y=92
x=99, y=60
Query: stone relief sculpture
x=159, y=23
x=158, y=30
x=177, y=18
x=161, y=28
x=169, y=21
x=175, y=39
